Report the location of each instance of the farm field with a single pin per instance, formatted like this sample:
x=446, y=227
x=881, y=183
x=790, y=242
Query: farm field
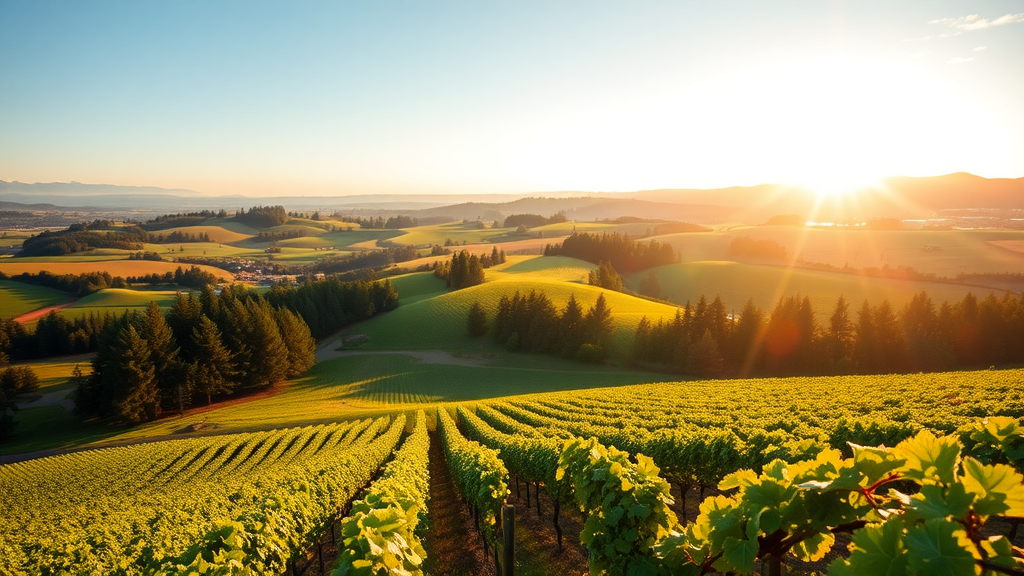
x=217, y=233
x=737, y=282
x=17, y=298
x=118, y=300
x=75, y=265
x=940, y=252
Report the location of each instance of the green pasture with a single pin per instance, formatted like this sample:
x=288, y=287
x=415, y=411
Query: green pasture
x=634, y=229
x=738, y=282
x=340, y=240
x=55, y=373
x=366, y=385
x=418, y=286
x=454, y=231
x=207, y=249
x=217, y=234
x=941, y=252
x=117, y=301
x=17, y=298
x=440, y=322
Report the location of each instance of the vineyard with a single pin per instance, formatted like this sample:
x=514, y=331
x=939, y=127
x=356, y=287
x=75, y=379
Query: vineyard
x=917, y=474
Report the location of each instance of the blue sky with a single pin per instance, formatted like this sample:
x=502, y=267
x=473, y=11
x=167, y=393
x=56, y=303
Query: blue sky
x=396, y=97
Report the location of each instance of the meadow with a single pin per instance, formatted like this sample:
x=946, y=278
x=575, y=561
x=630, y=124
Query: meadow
x=81, y=264
x=17, y=298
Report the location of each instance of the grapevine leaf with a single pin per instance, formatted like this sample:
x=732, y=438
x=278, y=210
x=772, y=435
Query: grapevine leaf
x=999, y=550
x=998, y=488
x=940, y=547
x=933, y=502
x=876, y=550
x=814, y=548
x=930, y=459
x=738, y=479
x=740, y=553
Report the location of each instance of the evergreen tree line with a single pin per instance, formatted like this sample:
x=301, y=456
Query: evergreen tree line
x=380, y=223
x=328, y=305
x=704, y=340
x=179, y=237
x=262, y=216
x=54, y=335
x=281, y=235
x=147, y=363
x=193, y=277
x=90, y=282
x=14, y=380
x=149, y=256
x=605, y=276
x=465, y=269
x=532, y=323
x=82, y=237
x=362, y=260
x=623, y=252
x=532, y=220
x=747, y=247
x=182, y=219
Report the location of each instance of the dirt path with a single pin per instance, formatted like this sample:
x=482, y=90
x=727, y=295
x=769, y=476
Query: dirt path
x=453, y=545
x=56, y=398
x=537, y=550
x=40, y=312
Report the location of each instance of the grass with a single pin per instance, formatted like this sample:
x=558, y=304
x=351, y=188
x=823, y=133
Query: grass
x=50, y=427
x=454, y=231
x=76, y=265
x=418, y=286
x=117, y=300
x=440, y=322
x=366, y=385
x=55, y=373
x=17, y=298
x=217, y=234
x=738, y=282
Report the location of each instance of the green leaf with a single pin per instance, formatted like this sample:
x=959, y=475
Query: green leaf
x=738, y=479
x=940, y=547
x=998, y=488
x=740, y=553
x=814, y=548
x=934, y=502
x=930, y=459
x=875, y=550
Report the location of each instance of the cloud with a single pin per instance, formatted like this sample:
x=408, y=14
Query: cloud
x=980, y=48
x=975, y=22
x=919, y=54
x=959, y=60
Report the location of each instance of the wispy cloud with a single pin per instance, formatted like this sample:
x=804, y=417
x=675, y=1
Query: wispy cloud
x=980, y=48
x=959, y=60
x=975, y=22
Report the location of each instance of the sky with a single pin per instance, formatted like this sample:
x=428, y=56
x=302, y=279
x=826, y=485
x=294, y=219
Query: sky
x=375, y=97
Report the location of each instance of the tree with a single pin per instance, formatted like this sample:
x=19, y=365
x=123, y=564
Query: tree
x=745, y=350
x=605, y=276
x=476, y=320
x=840, y=332
x=212, y=370
x=14, y=380
x=268, y=363
x=597, y=325
x=705, y=359
x=571, y=327
x=163, y=351
x=130, y=378
x=298, y=340
x=650, y=286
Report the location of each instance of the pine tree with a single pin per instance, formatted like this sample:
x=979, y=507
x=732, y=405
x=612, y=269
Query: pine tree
x=840, y=331
x=605, y=276
x=131, y=380
x=212, y=370
x=650, y=286
x=298, y=340
x=163, y=352
x=571, y=324
x=598, y=328
x=268, y=362
x=476, y=320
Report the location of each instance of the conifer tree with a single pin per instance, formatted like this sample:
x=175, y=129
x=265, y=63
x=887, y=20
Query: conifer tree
x=598, y=328
x=212, y=370
x=298, y=340
x=130, y=378
x=476, y=320
x=163, y=351
x=268, y=362
x=571, y=323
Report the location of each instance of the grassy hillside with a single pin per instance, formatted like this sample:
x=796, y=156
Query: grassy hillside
x=439, y=322
x=738, y=282
x=216, y=233
x=117, y=300
x=17, y=298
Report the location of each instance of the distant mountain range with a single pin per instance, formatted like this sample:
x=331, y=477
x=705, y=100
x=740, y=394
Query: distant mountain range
x=899, y=197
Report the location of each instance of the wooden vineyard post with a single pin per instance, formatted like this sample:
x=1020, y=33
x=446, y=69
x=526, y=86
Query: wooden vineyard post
x=536, y=496
x=508, y=533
